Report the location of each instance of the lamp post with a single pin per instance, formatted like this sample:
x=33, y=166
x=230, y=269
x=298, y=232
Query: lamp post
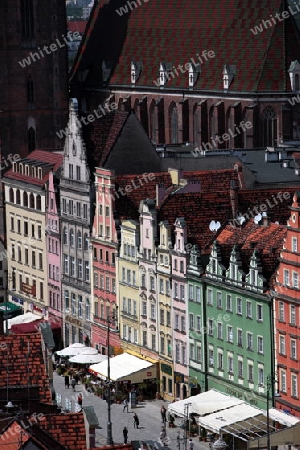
x=109, y=424
x=270, y=387
x=8, y=279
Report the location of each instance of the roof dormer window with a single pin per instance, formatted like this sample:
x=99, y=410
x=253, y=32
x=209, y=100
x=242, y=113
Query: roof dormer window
x=21, y=168
x=136, y=68
x=164, y=70
x=228, y=75
x=27, y=170
x=40, y=173
x=193, y=74
x=294, y=73
x=14, y=166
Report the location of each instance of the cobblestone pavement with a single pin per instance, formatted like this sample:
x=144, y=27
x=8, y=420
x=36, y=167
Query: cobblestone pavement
x=148, y=413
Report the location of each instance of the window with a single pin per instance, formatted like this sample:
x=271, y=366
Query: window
x=144, y=338
x=78, y=209
x=152, y=283
x=240, y=369
x=64, y=205
x=229, y=334
x=191, y=321
x=240, y=338
x=86, y=271
x=286, y=275
x=162, y=345
x=283, y=380
x=293, y=349
x=209, y=297
x=12, y=224
x=135, y=334
x=26, y=256
x=294, y=244
x=260, y=345
x=134, y=308
x=67, y=301
x=73, y=304
x=169, y=347
x=33, y=259
x=133, y=278
x=27, y=17
x=71, y=207
x=128, y=276
x=198, y=294
x=177, y=353
x=78, y=174
x=144, y=309
x=79, y=270
x=220, y=331
x=198, y=323
x=249, y=309
x=19, y=226
x=183, y=324
x=161, y=286
x=123, y=275
x=219, y=300
x=71, y=171
x=294, y=385
x=143, y=281
x=87, y=309
x=41, y=262
x=113, y=287
x=295, y=280
x=66, y=264
x=25, y=228
x=261, y=380
x=152, y=312
x=292, y=315
x=181, y=267
x=168, y=287
x=181, y=292
x=41, y=290
x=183, y=351
x=79, y=305
x=176, y=322
x=85, y=211
x=239, y=306
x=210, y=327
x=199, y=354
x=107, y=284
x=129, y=306
x=192, y=351
x=281, y=345
x=168, y=318
x=259, y=313
x=249, y=341
x=229, y=303
x=211, y=358
x=162, y=316
x=220, y=361
x=230, y=364
x=153, y=342
x=281, y=312
x=176, y=290
x=250, y=373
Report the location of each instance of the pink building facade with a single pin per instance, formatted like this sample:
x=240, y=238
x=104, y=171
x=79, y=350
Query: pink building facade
x=104, y=242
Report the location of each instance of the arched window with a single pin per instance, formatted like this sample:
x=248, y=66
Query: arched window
x=72, y=240
x=18, y=197
x=79, y=239
x=31, y=140
x=31, y=201
x=11, y=196
x=30, y=90
x=25, y=199
x=174, y=126
x=27, y=17
x=38, y=203
x=65, y=236
x=269, y=127
x=297, y=84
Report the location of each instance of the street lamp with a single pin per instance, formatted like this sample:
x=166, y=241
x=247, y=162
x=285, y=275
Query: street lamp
x=109, y=424
x=270, y=386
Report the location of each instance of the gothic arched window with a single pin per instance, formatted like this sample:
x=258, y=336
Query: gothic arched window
x=174, y=126
x=269, y=127
x=30, y=90
x=27, y=18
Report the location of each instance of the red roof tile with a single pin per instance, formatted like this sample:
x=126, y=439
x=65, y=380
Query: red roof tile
x=53, y=160
x=10, y=440
x=25, y=356
x=174, y=31
x=68, y=429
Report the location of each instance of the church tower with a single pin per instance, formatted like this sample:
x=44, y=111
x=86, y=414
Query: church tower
x=33, y=78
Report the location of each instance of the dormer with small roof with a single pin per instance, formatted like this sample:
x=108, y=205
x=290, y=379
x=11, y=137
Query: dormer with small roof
x=215, y=269
x=294, y=73
x=255, y=280
x=229, y=72
x=234, y=274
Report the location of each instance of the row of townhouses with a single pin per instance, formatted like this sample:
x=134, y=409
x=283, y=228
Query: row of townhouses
x=159, y=258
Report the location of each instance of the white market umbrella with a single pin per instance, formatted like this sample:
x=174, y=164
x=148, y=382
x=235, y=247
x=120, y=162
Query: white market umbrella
x=88, y=358
x=72, y=350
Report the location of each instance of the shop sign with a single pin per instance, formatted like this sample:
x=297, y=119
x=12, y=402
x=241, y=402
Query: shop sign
x=165, y=368
x=149, y=374
x=28, y=289
x=178, y=377
x=17, y=300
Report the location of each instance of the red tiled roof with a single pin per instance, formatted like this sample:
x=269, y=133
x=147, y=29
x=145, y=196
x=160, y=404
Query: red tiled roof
x=101, y=135
x=268, y=240
x=10, y=440
x=77, y=25
x=114, y=447
x=174, y=31
x=25, y=356
x=68, y=429
x=54, y=160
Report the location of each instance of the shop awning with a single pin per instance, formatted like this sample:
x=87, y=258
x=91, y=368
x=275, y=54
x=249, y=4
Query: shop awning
x=282, y=417
x=125, y=367
x=23, y=318
x=204, y=403
x=10, y=309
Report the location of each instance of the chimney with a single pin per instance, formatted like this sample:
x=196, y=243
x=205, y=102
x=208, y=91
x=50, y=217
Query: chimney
x=265, y=219
x=176, y=175
x=160, y=193
x=234, y=198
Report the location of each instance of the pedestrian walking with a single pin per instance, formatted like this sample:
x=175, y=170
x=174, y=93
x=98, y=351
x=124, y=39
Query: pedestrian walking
x=125, y=434
x=125, y=403
x=67, y=381
x=136, y=421
x=191, y=445
x=163, y=412
x=73, y=383
x=79, y=400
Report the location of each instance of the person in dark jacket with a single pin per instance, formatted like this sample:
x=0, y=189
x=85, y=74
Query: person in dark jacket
x=136, y=421
x=125, y=434
x=67, y=381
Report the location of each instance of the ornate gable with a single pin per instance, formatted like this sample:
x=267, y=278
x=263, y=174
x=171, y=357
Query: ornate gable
x=235, y=275
x=255, y=280
x=215, y=269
